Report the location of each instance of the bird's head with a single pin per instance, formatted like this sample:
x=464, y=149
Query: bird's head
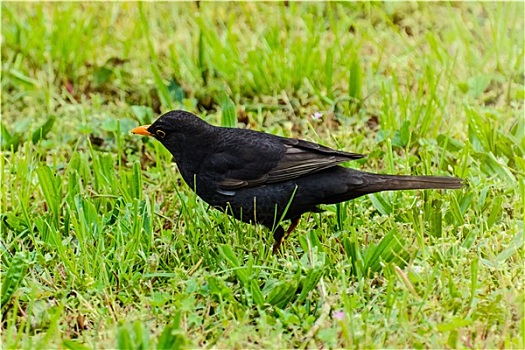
x=173, y=129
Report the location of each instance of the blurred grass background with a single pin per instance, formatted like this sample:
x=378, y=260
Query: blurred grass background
x=103, y=246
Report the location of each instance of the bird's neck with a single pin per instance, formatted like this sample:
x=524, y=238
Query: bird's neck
x=192, y=152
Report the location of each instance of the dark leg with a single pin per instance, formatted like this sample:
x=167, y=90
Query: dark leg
x=278, y=238
x=292, y=227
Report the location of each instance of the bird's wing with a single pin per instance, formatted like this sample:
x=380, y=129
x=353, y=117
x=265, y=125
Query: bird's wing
x=273, y=160
x=303, y=157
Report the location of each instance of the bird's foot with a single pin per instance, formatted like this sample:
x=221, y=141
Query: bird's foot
x=279, y=235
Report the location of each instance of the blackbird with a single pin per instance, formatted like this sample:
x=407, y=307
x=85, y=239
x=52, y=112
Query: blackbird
x=263, y=178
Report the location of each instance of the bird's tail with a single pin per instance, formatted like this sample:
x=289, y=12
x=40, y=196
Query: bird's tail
x=378, y=183
x=340, y=184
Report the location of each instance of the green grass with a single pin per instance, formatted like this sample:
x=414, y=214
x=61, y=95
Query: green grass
x=104, y=246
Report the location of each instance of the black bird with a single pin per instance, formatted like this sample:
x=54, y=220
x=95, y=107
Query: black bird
x=255, y=176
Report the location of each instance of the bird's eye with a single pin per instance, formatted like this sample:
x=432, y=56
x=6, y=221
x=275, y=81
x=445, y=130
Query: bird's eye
x=160, y=133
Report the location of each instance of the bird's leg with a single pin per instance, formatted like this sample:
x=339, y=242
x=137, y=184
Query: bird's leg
x=292, y=227
x=279, y=235
x=278, y=238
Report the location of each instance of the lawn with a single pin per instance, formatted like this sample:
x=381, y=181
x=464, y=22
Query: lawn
x=104, y=246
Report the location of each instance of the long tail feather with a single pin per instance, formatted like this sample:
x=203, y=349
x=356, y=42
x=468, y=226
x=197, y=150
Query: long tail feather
x=377, y=183
x=346, y=184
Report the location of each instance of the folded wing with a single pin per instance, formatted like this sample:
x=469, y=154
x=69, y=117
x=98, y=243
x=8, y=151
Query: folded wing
x=275, y=160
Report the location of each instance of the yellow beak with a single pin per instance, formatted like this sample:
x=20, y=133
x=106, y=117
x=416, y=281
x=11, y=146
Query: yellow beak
x=142, y=130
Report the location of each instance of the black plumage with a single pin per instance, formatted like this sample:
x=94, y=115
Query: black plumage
x=254, y=176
